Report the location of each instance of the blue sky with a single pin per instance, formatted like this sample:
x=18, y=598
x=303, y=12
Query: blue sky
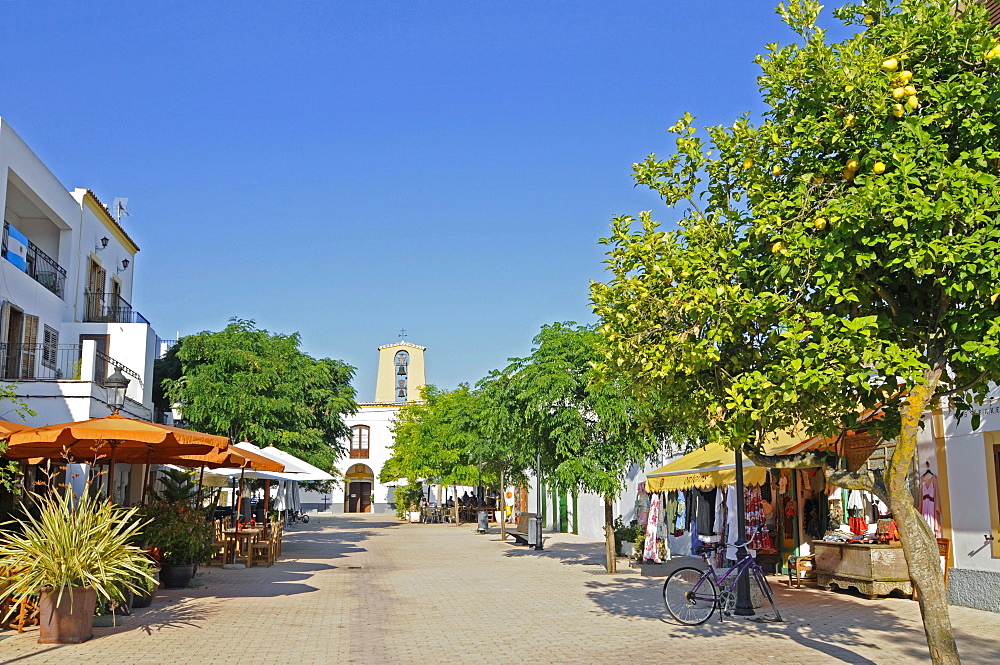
x=348, y=169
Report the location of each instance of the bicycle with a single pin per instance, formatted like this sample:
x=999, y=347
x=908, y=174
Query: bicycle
x=297, y=516
x=692, y=595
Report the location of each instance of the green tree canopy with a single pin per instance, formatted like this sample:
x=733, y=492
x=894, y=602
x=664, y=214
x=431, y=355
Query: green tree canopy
x=247, y=383
x=836, y=258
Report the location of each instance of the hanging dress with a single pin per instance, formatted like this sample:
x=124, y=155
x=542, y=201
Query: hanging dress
x=856, y=513
x=651, y=548
x=928, y=502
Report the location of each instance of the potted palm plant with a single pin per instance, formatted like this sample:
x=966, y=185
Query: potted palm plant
x=76, y=552
x=179, y=529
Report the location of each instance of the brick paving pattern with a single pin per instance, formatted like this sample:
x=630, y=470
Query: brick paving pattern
x=371, y=589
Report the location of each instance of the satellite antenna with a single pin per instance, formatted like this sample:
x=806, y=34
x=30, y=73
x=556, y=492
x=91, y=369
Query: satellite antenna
x=119, y=207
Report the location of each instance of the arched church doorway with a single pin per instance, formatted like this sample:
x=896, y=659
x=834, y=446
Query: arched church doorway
x=358, y=484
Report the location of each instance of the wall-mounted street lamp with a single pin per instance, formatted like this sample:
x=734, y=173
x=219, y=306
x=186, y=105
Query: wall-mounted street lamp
x=104, y=244
x=124, y=266
x=115, y=386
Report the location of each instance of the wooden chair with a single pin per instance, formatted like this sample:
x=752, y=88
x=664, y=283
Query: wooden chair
x=800, y=568
x=223, y=546
x=264, y=548
x=23, y=611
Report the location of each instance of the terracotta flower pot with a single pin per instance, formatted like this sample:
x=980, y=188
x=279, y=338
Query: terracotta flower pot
x=66, y=620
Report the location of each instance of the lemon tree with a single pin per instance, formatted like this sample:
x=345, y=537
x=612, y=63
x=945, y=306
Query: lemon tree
x=836, y=257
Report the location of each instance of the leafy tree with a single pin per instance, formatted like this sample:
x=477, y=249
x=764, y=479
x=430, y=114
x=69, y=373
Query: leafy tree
x=836, y=258
x=247, y=383
x=587, y=433
x=429, y=441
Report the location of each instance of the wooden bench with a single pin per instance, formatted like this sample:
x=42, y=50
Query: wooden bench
x=521, y=532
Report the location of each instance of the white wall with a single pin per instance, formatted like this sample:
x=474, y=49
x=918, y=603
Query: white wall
x=64, y=226
x=967, y=485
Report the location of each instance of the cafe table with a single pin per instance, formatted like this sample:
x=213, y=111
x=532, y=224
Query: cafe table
x=242, y=538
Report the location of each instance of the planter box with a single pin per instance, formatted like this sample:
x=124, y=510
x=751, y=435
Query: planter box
x=414, y=516
x=66, y=620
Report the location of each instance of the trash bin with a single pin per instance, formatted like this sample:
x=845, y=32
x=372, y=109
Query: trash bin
x=484, y=521
x=534, y=532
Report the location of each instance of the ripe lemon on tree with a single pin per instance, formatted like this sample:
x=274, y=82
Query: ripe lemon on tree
x=898, y=110
x=820, y=223
x=777, y=247
x=898, y=93
x=776, y=170
x=910, y=90
x=905, y=76
x=890, y=64
x=913, y=102
x=852, y=164
x=747, y=163
x=878, y=167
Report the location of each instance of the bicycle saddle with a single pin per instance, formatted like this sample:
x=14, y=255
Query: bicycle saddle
x=705, y=549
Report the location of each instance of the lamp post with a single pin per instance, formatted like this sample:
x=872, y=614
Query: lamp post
x=538, y=502
x=744, y=606
x=115, y=385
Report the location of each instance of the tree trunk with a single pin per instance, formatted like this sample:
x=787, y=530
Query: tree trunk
x=919, y=546
x=503, y=506
x=609, y=538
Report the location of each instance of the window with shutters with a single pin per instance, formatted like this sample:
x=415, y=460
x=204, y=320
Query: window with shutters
x=96, y=278
x=359, y=441
x=50, y=346
x=29, y=346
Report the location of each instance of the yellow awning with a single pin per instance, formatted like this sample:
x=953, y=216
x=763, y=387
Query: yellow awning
x=715, y=466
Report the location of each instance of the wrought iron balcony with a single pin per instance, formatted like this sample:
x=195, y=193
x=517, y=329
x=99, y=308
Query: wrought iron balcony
x=40, y=266
x=43, y=362
x=109, y=308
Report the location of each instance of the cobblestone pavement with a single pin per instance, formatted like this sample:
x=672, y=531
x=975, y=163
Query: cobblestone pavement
x=371, y=589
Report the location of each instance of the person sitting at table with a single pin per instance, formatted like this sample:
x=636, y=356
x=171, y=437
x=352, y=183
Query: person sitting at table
x=466, y=499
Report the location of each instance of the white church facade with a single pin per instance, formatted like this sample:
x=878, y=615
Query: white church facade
x=399, y=380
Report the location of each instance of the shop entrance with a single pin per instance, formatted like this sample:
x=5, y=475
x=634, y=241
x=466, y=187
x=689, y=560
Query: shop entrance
x=358, y=483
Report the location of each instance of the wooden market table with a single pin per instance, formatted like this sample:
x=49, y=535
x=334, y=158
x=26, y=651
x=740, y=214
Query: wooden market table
x=873, y=569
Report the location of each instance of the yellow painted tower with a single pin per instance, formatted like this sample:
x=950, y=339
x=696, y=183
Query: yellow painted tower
x=400, y=372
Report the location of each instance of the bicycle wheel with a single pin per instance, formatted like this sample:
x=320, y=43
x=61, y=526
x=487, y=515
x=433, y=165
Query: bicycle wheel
x=305, y=519
x=690, y=596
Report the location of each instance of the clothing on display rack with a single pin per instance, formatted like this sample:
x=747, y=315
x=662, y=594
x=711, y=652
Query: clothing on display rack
x=642, y=505
x=651, y=547
x=705, y=511
x=856, y=513
x=929, y=501
x=678, y=525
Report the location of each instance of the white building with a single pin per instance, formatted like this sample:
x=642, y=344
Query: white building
x=400, y=378
x=66, y=322
x=964, y=464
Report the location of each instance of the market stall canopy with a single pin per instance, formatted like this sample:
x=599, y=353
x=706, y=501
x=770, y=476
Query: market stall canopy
x=715, y=465
x=126, y=440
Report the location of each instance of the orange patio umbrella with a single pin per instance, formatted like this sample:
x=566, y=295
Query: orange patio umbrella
x=7, y=428
x=231, y=458
x=111, y=439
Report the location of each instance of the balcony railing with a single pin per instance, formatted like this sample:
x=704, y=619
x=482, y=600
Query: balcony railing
x=45, y=362
x=65, y=362
x=40, y=266
x=109, y=308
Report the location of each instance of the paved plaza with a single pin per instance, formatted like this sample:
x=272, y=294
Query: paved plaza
x=371, y=589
